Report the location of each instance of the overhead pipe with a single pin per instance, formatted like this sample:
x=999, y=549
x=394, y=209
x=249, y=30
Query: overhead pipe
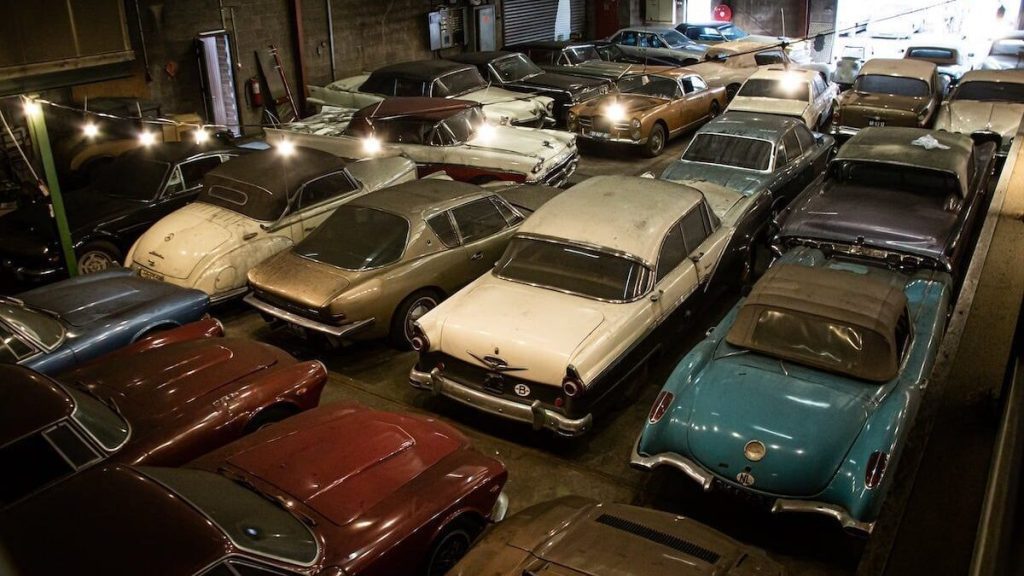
x=330, y=39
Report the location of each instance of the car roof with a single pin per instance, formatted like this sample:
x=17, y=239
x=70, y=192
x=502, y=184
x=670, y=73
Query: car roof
x=708, y=24
x=896, y=145
x=421, y=69
x=627, y=214
x=417, y=198
x=1016, y=76
x=903, y=67
x=782, y=73
x=413, y=107
x=649, y=28
x=276, y=174
x=769, y=127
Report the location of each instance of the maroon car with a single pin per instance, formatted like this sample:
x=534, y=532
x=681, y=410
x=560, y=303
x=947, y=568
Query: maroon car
x=164, y=400
x=340, y=490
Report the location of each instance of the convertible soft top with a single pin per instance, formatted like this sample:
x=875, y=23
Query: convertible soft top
x=932, y=149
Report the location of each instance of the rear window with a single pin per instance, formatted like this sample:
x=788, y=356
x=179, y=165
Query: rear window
x=937, y=55
x=894, y=85
x=357, y=238
x=1007, y=47
x=990, y=92
x=925, y=182
x=735, y=151
x=779, y=89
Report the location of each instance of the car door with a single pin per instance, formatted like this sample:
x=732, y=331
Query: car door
x=483, y=233
x=698, y=98
x=705, y=241
x=795, y=174
x=315, y=201
x=675, y=275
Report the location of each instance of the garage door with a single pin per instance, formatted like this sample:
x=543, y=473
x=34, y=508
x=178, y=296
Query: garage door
x=533, y=20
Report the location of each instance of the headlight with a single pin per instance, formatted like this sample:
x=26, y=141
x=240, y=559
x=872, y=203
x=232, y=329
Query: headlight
x=635, y=128
x=635, y=123
x=537, y=166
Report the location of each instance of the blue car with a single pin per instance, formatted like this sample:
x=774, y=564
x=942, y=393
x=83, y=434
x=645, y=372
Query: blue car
x=59, y=326
x=804, y=395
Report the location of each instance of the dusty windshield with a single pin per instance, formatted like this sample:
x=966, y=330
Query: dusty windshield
x=735, y=151
x=463, y=126
x=357, y=238
x=733, y=32
x=459, y=83
x=99, y=418
x=990, y=91
x=674, y=39
x=580, y=54
x=777, y=89
x=894, y=85
x=515, y=68
x=37, y=325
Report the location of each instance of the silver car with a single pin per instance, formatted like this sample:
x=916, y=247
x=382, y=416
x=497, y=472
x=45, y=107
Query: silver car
x=661, y=45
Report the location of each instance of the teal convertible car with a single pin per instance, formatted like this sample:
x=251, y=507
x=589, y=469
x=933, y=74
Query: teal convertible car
x=804, y=394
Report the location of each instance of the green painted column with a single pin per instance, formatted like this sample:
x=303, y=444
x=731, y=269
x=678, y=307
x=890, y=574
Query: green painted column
x=41, y=142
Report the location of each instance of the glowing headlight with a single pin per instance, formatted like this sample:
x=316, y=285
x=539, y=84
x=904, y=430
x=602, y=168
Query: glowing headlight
x=615, y=112
x=371, y=145
x=485, y=132
x=791, y=82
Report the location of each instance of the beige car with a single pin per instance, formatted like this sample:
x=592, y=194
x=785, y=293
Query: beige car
x=382, y=261
x=890, y=92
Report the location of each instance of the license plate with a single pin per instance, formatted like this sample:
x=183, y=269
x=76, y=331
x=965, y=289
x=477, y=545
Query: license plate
x=150, y=274
x=876, y=122
x=599, y=135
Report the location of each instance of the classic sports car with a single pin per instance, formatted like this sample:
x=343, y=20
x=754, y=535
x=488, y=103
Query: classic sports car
x=439, y=135
x=1005, y=53
x=889, y=92
x=563, y=325
x=516, y=72
x=802, y=94
x=986, y=105
x=951, y=61
x=437, y=79
x=382, y=261
x=660, y=44
x=54, y=328
x=584, y=59
x=906, y=196
x=551, y=537
x=251, y=209
x=162, y=401
x=804, y=394
x=128, y=195
x=650, y=112
x=750, y=167
x=340, y=489
x=729, y=64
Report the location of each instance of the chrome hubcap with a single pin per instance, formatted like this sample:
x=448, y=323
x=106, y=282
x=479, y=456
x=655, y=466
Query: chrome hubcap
x=94, y=261
x=416, y=311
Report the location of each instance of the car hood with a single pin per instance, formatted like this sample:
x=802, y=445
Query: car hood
x=531, y=328
x=176, y=244
x=303, y=281
x=745, y=182
x=631, y=103
x=794, y=108
x=969, y=116
x=807, y=425
x=520, y=142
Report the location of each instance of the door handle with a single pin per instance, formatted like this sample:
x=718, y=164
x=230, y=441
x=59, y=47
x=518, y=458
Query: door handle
x=309, y=228
x=477, y=256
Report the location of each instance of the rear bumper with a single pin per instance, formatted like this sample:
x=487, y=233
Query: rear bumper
x=309, y=324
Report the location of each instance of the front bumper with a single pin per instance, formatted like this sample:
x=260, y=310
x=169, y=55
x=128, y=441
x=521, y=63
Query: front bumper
x=535, y=413
x=845, y=131
x=560, y=173
x=309, y=324
x=707, y=480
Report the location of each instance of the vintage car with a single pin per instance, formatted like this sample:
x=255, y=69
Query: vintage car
x=56, y=327
x=908, y=196
x=729, y=64
x=563, y=325
x=340, y=489
x=382, y=261
x=889, y=92
x=516, y=72
x=647, y=114
x=575, y=535
x=439, y=135
x=711, y=33
x=127, y=196
x=848, y=65
x=1005, y=53
x=437, y=79
x=986, y=105
x=662, y=44
x=251, y=209
x=801, y=94
x=590, y=59
x=804, y=394
x=950, y=59
x=162, y=401
x=750, y=167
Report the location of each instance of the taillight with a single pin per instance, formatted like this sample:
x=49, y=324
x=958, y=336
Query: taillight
x=661, y=405
x=836, y=116
x=571, y=384
x=876, y=469
x=419, y=341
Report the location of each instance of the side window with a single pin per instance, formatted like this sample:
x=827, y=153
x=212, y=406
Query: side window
x=710, y=34
x=478, y=219
x=442, y=225
x=325, y=188
x=792, y=145
x=698, y=83
x=673, y=252
x=628, y=38
x=693, y=33
x=687, y=84
x=175, y=183
x=655, y=41
x=819, y=86
x=804, y=136
x=510, y=215
x=617, y=38
x=12, y=348
x=192, y=172
x=694, y=229
x=406, y=87
x=780, y=156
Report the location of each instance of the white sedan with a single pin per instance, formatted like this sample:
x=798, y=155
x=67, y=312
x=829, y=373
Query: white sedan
x=801, y=94
x=986, y=103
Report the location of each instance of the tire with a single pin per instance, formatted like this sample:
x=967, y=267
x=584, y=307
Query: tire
x=449, y=547
x=655, y=141
x=98, y=256
x=730, y=91
x=411, y=309
x=268, y=417
x=714, y=111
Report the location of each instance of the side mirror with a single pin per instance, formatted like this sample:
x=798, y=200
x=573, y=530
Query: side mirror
x=656, y=295
x=648, y=174
x=697, y=257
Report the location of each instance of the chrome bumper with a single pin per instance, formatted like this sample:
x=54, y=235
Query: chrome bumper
x=834, y=510
x=227, y=295
x=534, y=413
x=845, y=131
x=304, y=322
x=671, y=459
x=616, y=139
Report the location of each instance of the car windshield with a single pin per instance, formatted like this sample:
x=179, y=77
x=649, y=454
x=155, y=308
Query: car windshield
x=575, y=269
x=735, y=151
x=36, y=324
x=990, y=91
x=464, y=125
x=674, y=39
x=893, y=85
x=99, y=418
x=936, y=55
x=1007, y=47
x=253, y=522
x=732, y=32
x=580, y=54
x=459, y=83
x=935, y=185
x=610, y=52
x=357, y=238
x=132, y=178
x=657, y=86
x=795, y=89
x=515, y=67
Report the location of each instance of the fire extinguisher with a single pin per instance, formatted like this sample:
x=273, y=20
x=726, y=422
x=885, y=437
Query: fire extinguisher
x=255, y=96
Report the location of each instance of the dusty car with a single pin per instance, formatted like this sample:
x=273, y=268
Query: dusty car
x=437, y=79
x=251, y=209
x=516, y=72
x=653, y=109
x=127, y=196
x=987, y=104
x=585, y=59
x=905, y=196
x=951, y=61
x=663, y=44
x=382, y=261
x=162, y=401
x=848, y=65
x=563, y=325
x=1005, y=53
x=336, y=490
x=56, y=327
x=889, y=92
x=715, y=33
x=439, y=135
x=801, y=94
x=729, y=64
x=804, y=395
x=623, y=540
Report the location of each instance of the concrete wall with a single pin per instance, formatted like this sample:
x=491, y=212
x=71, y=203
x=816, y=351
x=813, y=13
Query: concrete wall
x=766, y=16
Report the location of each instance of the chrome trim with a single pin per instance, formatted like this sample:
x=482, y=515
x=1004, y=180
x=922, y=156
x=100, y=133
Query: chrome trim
x=832, y=510
x=225, y=296
x=500, y=509
x=534, y=413
x=304, y=322
x=845, y=131
x=673, y=460
x=616, y=140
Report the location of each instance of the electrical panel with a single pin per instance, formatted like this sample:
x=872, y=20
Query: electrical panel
x=445, y=27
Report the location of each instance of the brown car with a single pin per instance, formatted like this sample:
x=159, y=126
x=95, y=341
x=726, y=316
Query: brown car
x=382, y=261
x=648, y=110
x=890, y=92
x=576, y=536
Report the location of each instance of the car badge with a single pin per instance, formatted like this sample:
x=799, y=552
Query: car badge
x=169, y=237
x=157, y=254
x=755, y=450
x=494, y=363
x=548, y=144
x=522, y=390
x=745, y=479
x=150, y=262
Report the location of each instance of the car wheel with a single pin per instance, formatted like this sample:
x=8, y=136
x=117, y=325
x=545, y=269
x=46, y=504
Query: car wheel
x=268, y=417
x=655, y=141
x=449, y=548
x=714, y=111
x=730, y=91
x=409, y=311
x=97, y=257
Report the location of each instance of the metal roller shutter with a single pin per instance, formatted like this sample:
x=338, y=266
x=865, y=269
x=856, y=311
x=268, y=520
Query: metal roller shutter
x=529, y=20
x=579, y=17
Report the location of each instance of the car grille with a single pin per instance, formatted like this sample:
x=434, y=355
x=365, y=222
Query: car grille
x=585, y=121
x=663, y=538
x=563, y=170
x=601, y=124
x=501, y=384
